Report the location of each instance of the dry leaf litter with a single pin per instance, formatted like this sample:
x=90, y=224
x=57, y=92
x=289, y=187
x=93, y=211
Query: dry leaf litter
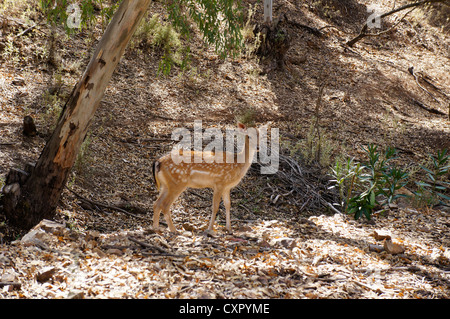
x=319, y=257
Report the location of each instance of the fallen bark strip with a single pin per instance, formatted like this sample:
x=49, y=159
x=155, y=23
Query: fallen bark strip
x=411, y=71
x=427, y=80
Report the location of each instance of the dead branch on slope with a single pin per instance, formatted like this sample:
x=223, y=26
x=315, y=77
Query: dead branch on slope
x=363, y=33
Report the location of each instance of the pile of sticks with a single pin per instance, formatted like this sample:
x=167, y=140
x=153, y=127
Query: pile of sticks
x=301, y=186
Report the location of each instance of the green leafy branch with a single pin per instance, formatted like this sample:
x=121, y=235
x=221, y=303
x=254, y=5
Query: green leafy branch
x=432, y=190
x=219, y=21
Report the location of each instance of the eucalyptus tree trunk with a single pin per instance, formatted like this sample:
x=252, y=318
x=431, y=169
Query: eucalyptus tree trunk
x=33, y=194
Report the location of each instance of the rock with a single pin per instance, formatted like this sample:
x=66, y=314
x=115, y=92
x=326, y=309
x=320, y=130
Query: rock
x=187, y=234
x=45, y=274
x=380, y=235
x=52, y=227
x=5, y=261
x=114, y=251
x=286, y=242
x=39, y=234
x=36, y=237
x=10, y=276
x=405, y=191
x=99, y=252
x=189, y=227
x=392, y=248
x=75, y=294
x=45, y=226
x=92, y=235
x=393, y=206
x=244, y=228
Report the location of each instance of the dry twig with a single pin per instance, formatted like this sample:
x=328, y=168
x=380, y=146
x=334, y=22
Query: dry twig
x=107, y=206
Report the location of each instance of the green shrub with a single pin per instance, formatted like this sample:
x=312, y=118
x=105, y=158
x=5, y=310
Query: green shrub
x=362, y=187
x=164, y=37
x=431, y=191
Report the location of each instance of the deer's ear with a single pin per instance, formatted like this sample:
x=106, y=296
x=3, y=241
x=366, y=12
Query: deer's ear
x=241, y=126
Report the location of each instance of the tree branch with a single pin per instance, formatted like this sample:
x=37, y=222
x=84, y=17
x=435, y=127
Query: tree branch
x=107, y=206
x=363, y=33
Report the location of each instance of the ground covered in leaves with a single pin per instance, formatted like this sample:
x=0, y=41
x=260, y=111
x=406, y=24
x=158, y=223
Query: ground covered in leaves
x=317, y=257
x=285, y=243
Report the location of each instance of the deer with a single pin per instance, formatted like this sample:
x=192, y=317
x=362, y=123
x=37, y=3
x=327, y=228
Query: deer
x=172, y=179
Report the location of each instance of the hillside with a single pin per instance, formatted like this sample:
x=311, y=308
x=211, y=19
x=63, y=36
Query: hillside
x=279, y=249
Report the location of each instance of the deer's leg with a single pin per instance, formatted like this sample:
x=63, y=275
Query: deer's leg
x=171, y=197
x=158, y=205
x=215, y=207
x=227, y=204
